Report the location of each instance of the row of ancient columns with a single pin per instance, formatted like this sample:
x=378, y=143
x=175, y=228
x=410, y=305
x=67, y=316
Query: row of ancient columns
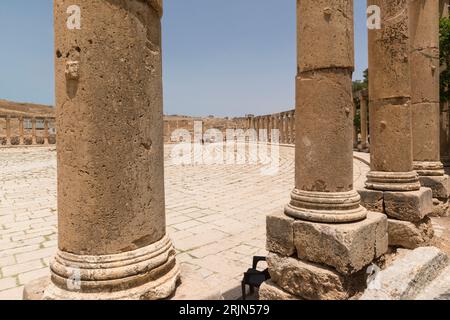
x=325, y=239
x=111, y=213
x=283, y=122
x=9, y=135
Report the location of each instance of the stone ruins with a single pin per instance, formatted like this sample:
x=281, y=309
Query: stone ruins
x=112, y=236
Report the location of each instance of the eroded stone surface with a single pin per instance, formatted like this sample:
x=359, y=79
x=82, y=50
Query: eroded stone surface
x=346, y=247
x=409, y=206
x=372, y=200
x=269, y=291
x=280, y=234
x=410, y=235
x=439, y=185
x=312, y=281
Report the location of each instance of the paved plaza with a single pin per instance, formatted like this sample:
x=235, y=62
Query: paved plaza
x=215, y=215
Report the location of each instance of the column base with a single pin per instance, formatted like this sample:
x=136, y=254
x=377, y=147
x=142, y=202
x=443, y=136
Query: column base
x=44, y=289
x=429, y=168
x=302, y=280
x=318, y=261
x=323, y=207
x=393, y=181
x=441, y=189
x=409, y=225
x=149, y=273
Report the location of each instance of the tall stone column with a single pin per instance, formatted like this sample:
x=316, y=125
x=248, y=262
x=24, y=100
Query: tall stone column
x=33, y=131
x=282, y=129
x=46, y=135
x=292, y=124
x=424, y=32
x=364, y=126
x=21, y=131
x=8, y=130
x=322, y=241
x=355, y=130
x=392, y=185
x=111, y=208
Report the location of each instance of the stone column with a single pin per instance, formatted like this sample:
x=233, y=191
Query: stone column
x=292, y=124
x=111, y=212
x=355, y=130
x=424, y=32
x=325, y=237
x=364, y=127
x=33, y=131
x=392, y=185
x=8, y=130
x=281, y=126
x=21, y=131
x=46, y=135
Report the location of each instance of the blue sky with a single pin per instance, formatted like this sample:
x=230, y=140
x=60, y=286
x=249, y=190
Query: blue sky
x=221, y=57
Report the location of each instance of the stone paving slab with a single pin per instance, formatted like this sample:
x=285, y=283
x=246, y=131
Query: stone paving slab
x=215, y=215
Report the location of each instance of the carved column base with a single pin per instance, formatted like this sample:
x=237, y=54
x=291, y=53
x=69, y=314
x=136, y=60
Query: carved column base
x=149, y=273
x=332, y=207
x=393, y=181
x=429, y=168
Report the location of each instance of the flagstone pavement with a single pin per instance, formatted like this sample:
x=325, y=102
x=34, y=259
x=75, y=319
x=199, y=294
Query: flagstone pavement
x=215, y=215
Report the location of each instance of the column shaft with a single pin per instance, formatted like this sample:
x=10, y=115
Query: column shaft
x=390, y=101
x=424, y=34
x=324, y=143
x=33, y=131
x=8, y=130
x=364, y=127
x=21, y=131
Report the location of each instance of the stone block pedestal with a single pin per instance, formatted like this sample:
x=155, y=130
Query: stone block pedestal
x=440, y=186
x=318, y=261
x=409, y=225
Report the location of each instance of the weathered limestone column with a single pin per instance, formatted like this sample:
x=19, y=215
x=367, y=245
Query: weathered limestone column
x=292, y=124
x=8, y=130
x=323, y=242
x=392, y=185
x=111, y=208
x=355, y=130
x=424, y=32
x=46, y=135
x=364, y=127
x=21, y=131
x=33, y=131
x=269, y=128
x=282, y=128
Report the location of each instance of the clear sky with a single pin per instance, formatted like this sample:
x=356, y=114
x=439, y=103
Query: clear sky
x=221, y=57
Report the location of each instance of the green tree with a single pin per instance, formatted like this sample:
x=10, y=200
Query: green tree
x=445, y=59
